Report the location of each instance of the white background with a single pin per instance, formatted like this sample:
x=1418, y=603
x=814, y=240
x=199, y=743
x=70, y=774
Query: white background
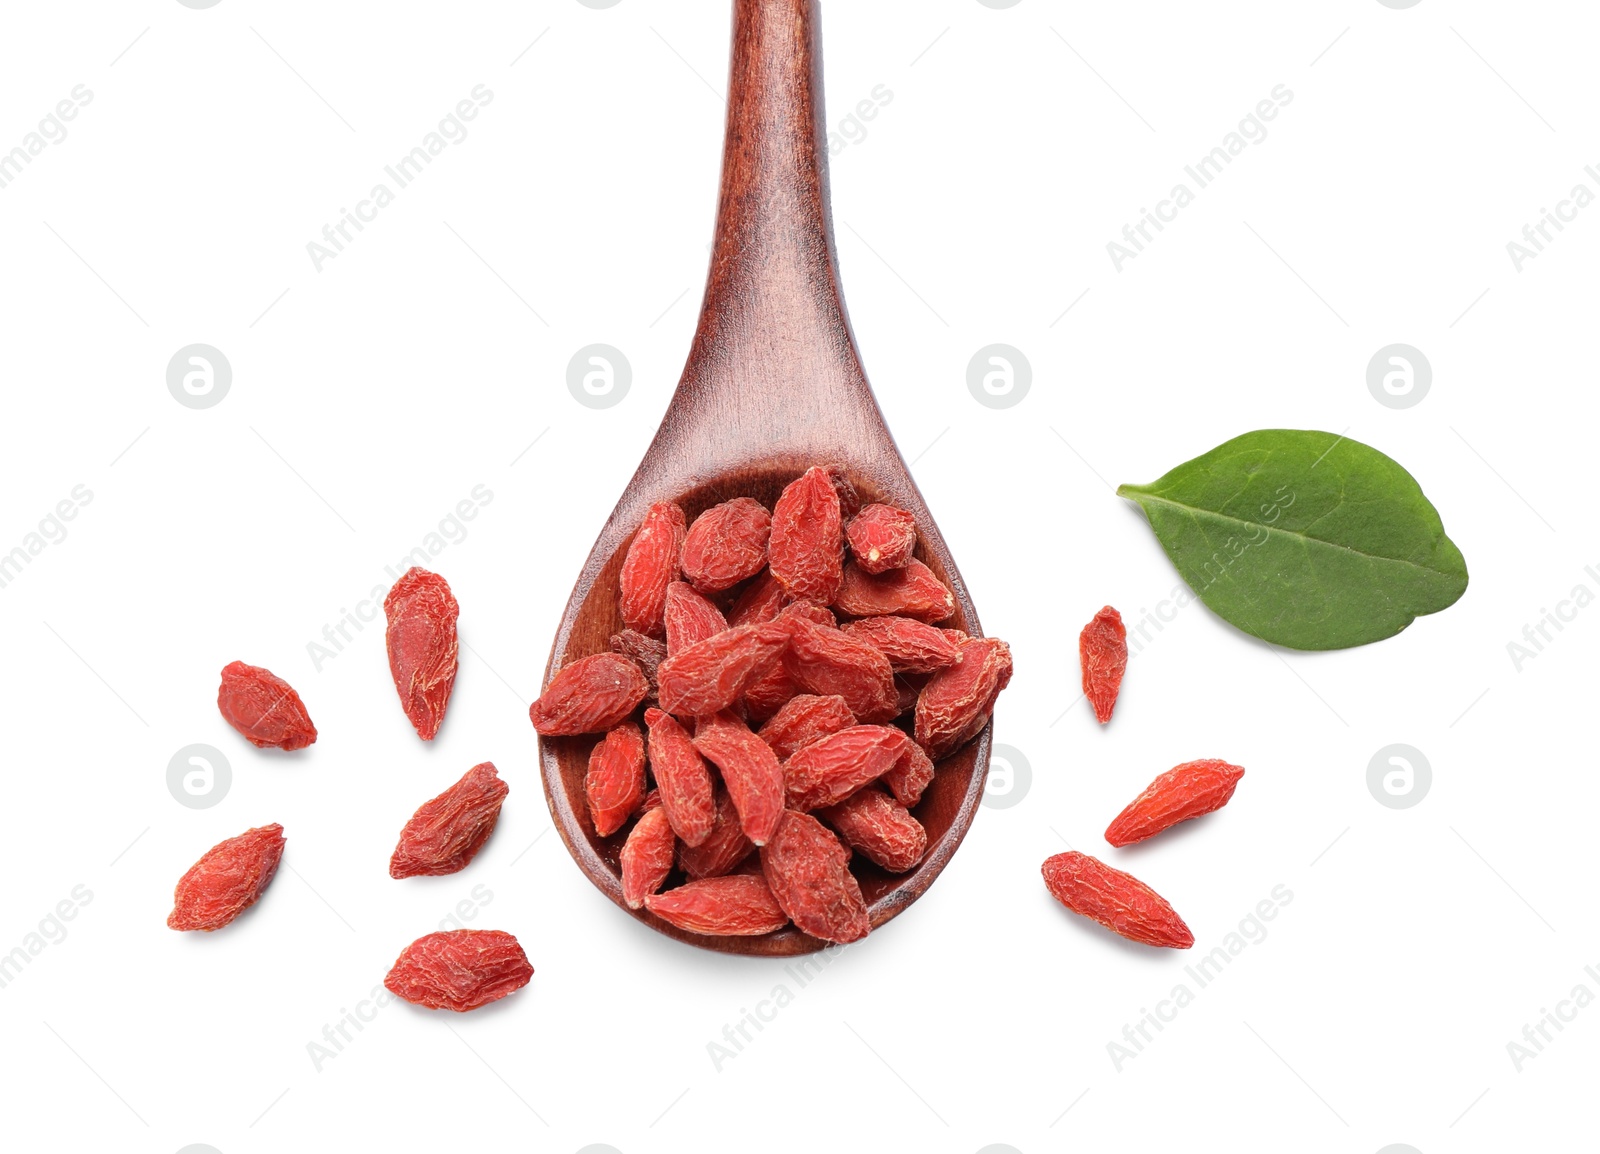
x=372, y=396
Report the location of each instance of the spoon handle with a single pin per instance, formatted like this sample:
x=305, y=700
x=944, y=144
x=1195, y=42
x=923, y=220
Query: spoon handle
x=773, y=371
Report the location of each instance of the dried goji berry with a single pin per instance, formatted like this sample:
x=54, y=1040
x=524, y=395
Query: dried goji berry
x=712, y=674
x=459, y=969
x=808, y=871
x=652, y=561
x=812, y=612
x=882, y=537
x=911, y=646
x=827, y=661
x=1103, y=652
x=806, y=551
x=445, y=834
x=682, y=778
x=760, y=601
x=849, y=497
x=769, y=693
x=741, y=905
x=805, y=719
x=908, y=777
x=264, y=707
x=589, y=696
x=614, y=784
x=690, y=618
x=1120, y=902
x=749, y=768
x=830, y=770
x=227, y=880
x=954, y=706
x=421, y=637
x=880, y=828
x=726, y=544
x=646, y=857
x=1186, y=791
x=645, y=652
x=913, y=591
x=723, y=850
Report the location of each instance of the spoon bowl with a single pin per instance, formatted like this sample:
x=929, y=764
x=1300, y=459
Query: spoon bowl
x=773, y=385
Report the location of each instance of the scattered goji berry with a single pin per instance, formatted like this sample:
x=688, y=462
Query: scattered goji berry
x=954, y=706
x=912, y=591
x=445, y=834
x=808, y=871
x=646, y=857
x=651, y=563
x=1103, y=652
x=830, y=770
x=614, y=784
x=589, y=696
x=760, y=601
x=741, y=905
x=806, y=551
x=881, y=538
x=421, y=636
x=911, y=646
x=645, y=652
x=720, y=853
x=880, y=828
x=682, y=778
x=749, y=768
x=689, y=618
x=227, y=880
x=712, y=674
x=264, y=707
x=910, y=776
x=1189, y=790
x=459, y=970
x=805, y=719
x=1120, y=902
x=827, y=661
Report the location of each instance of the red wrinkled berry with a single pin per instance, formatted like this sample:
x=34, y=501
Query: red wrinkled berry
x=682, y=778
x=720, y=853
x=827, y=661
x=264, y=708
x=589, y=696
x=1103, y=652
x=910, y=776
x=911, y=646
x=651, y=563
x=1120, y=902
x=879, y=827
x=808, y=872
x=726, y=544
x=614, y=785
x=882, y=537
x=459, y=970
x=830, y=770
x=749, y=768
x=645, y=652
x=712, y=674
x=805, y=719
x=689, y=618
x=760, y=601
x=913, y=591
x=806, y=551
x=954, y=706
x=445, y=834
x=742, y=905
x=646, y=857
x=228, y=880
x=421, y=637
x=1189, y=790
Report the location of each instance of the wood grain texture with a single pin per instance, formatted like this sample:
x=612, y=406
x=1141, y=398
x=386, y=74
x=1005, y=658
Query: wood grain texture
x=773, y=385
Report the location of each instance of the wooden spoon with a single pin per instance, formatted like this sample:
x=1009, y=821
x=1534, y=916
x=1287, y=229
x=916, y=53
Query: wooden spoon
x=773, y=385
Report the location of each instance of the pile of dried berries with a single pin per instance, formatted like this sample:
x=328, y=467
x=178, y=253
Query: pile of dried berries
x=459, y=970
x=797, y=690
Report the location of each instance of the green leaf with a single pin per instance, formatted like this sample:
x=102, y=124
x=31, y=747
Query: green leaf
x=1304, y=539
